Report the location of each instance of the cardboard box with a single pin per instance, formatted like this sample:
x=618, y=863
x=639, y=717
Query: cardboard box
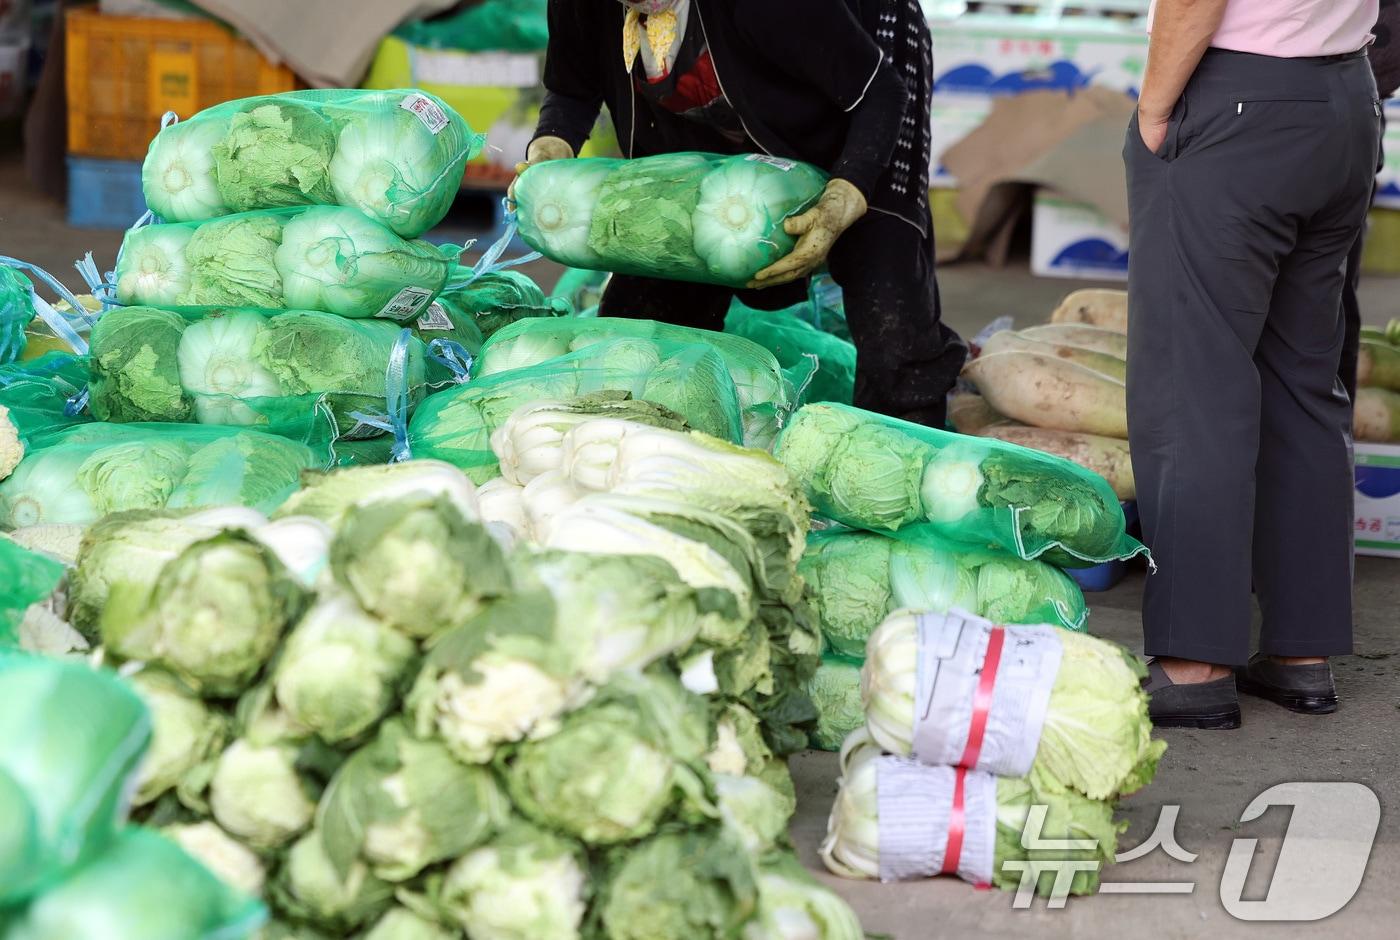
x=1378, y=499
x=952, y=118
x=1071, y=239
x=995, y=56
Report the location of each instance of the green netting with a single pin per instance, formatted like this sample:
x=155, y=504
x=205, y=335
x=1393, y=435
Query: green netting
x=765, y=391
x=691, y=380
x=34, y=399
x=80, y=474
x=143, y=887
x=799, y=346
x=298, y=373
x=581, y=288
x=684, y=216
x=826, y=307
x=868, y=471
x=397, y=156
x=26, y=578
x=510, y=25
x=73, y=737
x=859, y=578
x=16, y=312
x=497, y=299
x=327, y=258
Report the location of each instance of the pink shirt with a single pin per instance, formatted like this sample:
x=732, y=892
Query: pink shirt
x=1291, y=29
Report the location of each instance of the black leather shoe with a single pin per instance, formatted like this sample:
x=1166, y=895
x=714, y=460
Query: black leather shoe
x=1306, y=689
x=1210, y=705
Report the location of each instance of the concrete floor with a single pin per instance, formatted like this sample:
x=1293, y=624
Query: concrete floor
x=1212, y=776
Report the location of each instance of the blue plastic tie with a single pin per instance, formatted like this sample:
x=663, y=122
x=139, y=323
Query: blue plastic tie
x=490, y=262
x=75, y=405
x=453, y=356
x=395, y=399
x=102, y=286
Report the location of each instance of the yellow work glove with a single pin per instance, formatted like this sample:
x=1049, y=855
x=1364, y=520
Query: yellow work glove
x=817, y=229
x=541, y=150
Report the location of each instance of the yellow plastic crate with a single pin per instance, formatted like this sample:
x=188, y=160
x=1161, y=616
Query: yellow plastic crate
x=123, y=73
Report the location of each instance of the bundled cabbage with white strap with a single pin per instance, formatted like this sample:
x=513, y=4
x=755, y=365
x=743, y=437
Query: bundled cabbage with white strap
x=894, y=819
x=299, y=373
x=1065, y=707
x=694, y=217
x=397, y=156
x=327, y=258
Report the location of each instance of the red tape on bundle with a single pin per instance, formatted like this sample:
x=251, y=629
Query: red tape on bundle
x=982, y=699
x=957, y=824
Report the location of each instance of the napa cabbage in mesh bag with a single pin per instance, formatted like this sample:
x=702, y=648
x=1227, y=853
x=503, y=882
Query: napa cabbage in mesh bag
x=328, y=258
x=869, y=471
x=396, y=155
x=858, y=578
x=83, y=473
x=690, y=380
x=684, y=216
x=800, y=348
x=298, y=373
x=496, y=299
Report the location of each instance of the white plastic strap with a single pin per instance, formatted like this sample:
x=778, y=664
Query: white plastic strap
x=915, y=807
x=952, y=654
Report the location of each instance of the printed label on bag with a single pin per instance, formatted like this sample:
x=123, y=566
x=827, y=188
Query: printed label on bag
x=982, y=692
x=779, y=162
x=406, y=305
x=434, y=319
x=920, y=821
x=434, y=118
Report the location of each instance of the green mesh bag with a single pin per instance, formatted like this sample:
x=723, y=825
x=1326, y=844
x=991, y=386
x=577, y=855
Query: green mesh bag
x=143, y=887
x=80, y=474
x=684, y=216
x=858, y=578
x=73, y=737
x=16, y=312
x=799, y=346
x=397, y=156
x=37, y=396
x=691, y=380
x=489, y=26
x=582, y=289
x=497, y=299
x=26, y=578
x=327, y=258
x=299, y=373
x=764, y=390
x=868, y=471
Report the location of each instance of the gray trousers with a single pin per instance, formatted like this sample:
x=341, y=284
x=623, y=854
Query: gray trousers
x=1240, y=429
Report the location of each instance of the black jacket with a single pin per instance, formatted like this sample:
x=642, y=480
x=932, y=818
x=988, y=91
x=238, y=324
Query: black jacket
x=795, y=71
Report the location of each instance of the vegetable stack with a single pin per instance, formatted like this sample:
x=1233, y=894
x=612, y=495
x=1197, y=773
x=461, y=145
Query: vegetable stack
x=996, y=720
x=370, y=712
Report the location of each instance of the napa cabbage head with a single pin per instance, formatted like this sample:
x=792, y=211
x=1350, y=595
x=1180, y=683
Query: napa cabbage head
x=496, y=679
x=134, y=367
x=526, y=884
x=696, y=384
x=232, y=263
x=792, y=905
x=399, y=923
x=952, y=482
x=219, y=370
x=809, y=443
x=756, y=809
x=389, y=164
x=276, y=152
x=739, y=219
x=617, y=766
x=417, y=563
x=234, y=863
x=178, y=177
x=555, y=202
x=187, y=736
x=153, y=267
x=400, y=804
x=242, y=468
x=312, y=888
x=338, y=260
x=835, y=690
x=678, y=886
x=848, y=574
x=331, y=496
x=42, y=490
x=618, y=612
x=340, y=670
x=257, y=795
x=503, y=511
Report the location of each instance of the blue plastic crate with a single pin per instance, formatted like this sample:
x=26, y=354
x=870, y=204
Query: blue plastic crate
x=1107, y=575
x=104, y=193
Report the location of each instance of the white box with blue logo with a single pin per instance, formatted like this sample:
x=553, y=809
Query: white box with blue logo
x=1072, y=239
x=1378, y=499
